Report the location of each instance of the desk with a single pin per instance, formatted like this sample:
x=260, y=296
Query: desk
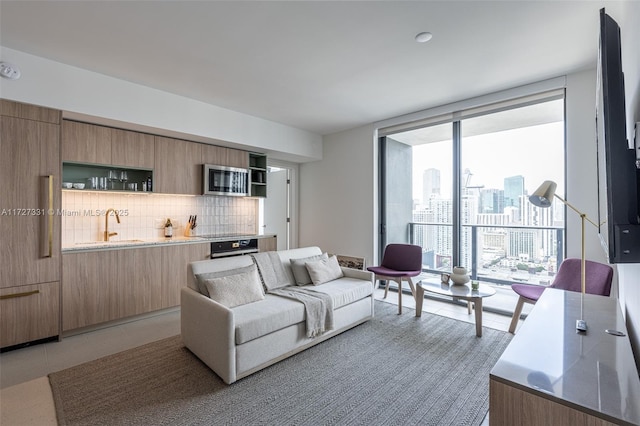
x=551, y=375
x=463, y=292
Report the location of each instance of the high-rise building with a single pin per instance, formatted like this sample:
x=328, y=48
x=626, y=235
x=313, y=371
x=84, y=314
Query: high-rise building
x=491, y=201
x=513, y=190
x=430, y=184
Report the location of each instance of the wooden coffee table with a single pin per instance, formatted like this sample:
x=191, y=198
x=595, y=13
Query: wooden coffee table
x=463, y=292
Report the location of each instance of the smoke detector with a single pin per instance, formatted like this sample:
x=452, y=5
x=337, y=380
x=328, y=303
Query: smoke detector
x=9, y=71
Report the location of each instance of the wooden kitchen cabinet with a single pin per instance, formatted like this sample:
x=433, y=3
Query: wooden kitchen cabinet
x=30, y=312
x=132, y=149
x=178, y=167
x=138, y=280
x=86, y=143
x=29, y=225
x=222, y=156
x=106, y=285
x=268, y=243
x=29, y=112
x=89, y=288
x=93, y=144
x=174, y=269
x=29, y=156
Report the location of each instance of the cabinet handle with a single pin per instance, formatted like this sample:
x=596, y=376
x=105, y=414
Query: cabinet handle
x=50, y=213
x=25, y=294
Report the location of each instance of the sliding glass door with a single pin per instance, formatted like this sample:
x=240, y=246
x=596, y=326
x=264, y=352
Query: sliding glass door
x=460, y=188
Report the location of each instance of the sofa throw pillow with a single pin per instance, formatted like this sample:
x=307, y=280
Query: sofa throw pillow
x=324, y=270
x=299, y=268
x=235, y=290
x=200, y=278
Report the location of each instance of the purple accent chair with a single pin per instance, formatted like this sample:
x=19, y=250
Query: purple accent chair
x=399, y=262
x=598, y=281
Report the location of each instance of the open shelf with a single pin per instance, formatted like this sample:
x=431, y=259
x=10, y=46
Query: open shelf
x=258, y=169
x=107, y=178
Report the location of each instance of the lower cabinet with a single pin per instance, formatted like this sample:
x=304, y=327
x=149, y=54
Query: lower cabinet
x=174, y=269
x=268, y=243
x=101, y=286
x=30, y=312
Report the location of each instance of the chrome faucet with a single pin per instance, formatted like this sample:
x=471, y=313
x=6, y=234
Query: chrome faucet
x=108, y=234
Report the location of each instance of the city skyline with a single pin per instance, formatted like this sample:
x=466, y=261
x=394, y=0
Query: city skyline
x=535, y=152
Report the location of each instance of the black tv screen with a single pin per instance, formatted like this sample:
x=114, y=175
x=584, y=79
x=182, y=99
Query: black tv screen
x=618, y=176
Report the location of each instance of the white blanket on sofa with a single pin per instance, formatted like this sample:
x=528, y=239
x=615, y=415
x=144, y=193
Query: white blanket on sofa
x=318, y=307
x=271, y=270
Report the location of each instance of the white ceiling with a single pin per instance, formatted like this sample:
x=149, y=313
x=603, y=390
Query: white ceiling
x=320, y=66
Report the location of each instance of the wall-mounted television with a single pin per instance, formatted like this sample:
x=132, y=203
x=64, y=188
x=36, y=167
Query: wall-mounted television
x=618, y=176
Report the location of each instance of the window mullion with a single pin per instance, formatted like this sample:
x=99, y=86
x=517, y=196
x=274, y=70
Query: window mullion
x=456, y=198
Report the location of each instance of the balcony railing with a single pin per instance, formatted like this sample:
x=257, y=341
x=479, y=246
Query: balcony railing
x=494, y=254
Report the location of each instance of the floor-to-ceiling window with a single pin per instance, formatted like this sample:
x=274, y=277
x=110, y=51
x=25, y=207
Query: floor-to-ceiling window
x=470, y=177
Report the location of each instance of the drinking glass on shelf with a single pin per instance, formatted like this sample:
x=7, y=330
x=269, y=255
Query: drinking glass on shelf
x=112, y=176
x=123, y=178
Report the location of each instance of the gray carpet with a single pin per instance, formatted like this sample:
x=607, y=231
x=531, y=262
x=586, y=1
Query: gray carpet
x=392, y=370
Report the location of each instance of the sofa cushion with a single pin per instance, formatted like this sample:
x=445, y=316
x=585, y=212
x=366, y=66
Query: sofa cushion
x=299, y=268
x=345, y=290
x=324, y=270
x=235, y=290
x=201, y=278
x=275, y=313
x=266, y=316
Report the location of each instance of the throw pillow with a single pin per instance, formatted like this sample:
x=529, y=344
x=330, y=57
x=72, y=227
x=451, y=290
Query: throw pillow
x=324, y=270
x=200, y=278
x=299, y=268
x=235, y=290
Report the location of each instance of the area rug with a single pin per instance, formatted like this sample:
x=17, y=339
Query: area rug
x=392, y=370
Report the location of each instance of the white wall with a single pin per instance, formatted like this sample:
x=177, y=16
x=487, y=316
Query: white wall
x=338, y=202
x=84, y=93
x=629, y=21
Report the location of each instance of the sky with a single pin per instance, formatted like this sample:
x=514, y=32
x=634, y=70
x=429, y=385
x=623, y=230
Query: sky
x=535, y=152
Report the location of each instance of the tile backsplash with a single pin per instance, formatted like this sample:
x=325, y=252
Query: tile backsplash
x=142, y=216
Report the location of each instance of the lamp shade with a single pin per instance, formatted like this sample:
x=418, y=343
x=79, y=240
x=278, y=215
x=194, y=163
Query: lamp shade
x=543, y=196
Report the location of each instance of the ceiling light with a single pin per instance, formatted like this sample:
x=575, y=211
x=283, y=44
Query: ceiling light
x=9, y=71
x=423, y=37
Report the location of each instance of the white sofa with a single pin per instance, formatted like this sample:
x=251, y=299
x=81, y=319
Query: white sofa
x=236, y=342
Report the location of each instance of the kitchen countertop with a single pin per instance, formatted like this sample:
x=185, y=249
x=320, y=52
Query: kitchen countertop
x=114, y=243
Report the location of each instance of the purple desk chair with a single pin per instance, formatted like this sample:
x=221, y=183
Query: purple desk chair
x=399, y=262
x=598, y=281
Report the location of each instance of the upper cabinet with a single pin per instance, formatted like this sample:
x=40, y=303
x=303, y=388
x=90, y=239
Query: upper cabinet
x=178, y=166
x=86, y=143
x=132, y=149
x=93, y=144
x=221, y=156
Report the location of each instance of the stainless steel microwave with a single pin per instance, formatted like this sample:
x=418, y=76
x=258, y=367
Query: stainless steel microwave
x=223, y=180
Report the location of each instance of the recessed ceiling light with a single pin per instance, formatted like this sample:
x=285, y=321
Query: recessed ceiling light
x=423, y=37
x=9, y=71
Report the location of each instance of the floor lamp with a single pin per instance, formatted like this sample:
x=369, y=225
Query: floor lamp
x=543, y=197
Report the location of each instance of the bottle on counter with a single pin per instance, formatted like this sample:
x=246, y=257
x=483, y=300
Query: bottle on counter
x=168, y=229
x=149, y=188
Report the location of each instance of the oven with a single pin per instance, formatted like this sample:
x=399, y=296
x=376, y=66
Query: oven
x=233, y=247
